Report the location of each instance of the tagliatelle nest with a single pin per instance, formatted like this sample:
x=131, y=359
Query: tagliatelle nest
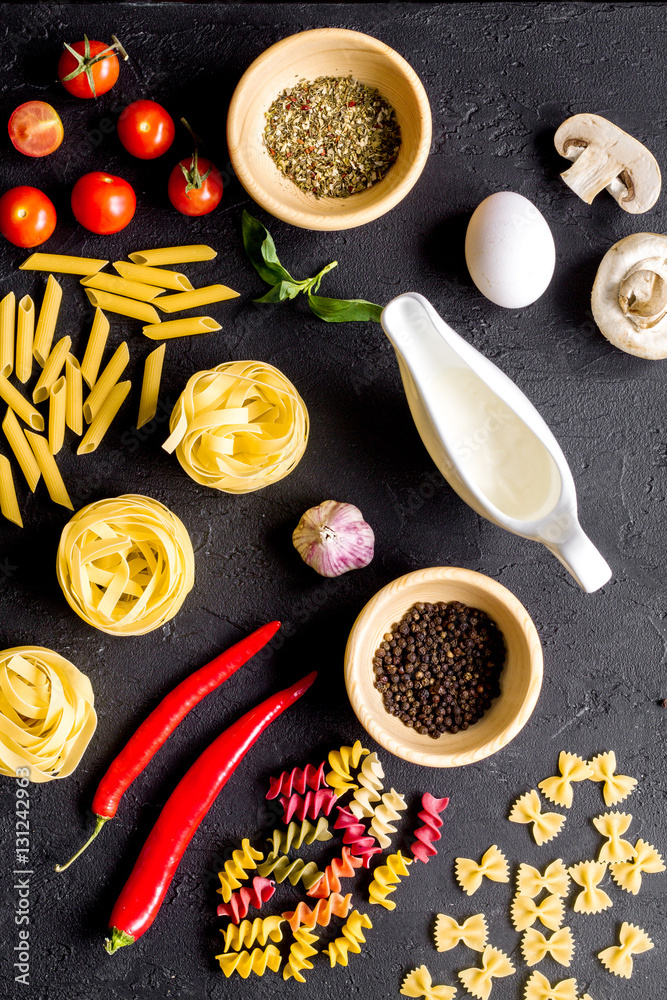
x=238, y=427
x=46, y=714
x=125, y=564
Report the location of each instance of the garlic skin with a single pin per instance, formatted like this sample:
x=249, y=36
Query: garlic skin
x=333, y=538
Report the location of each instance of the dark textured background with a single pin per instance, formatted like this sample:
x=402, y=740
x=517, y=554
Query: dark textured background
x=500, y=78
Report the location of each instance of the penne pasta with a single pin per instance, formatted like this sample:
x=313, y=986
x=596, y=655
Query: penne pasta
x=20, y=405
x=121, y=286
x=23, y=453
x=73, y=395
x=9, y=505
x=106, y=382
x=49, y=469
x=51, y=370
x=173, y=255
x=181, y=328
x=154, y=276
x=46, y=324
x=97, y=340
x=62, y=263
x=25, y=334
x=122, y=305
x=192, y=300
x=57, y=407
x=7, y=322
x=103, y=418
x=150, y=387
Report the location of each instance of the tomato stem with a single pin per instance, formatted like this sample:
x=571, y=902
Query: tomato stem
x=99, y=823
x=85, y=62
x=193, y=179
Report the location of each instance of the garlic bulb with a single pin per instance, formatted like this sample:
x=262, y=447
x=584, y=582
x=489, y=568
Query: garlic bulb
x=334, y=538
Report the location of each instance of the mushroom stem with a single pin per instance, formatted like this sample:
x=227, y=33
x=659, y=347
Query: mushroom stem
x=592, y=171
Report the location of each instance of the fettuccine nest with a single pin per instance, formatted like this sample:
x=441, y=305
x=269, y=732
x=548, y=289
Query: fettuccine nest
x=238, y=427
x=125, y=564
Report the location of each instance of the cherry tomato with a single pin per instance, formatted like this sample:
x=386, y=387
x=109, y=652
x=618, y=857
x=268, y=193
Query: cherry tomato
x=195, y=186
x=27, y=216
x=103, y=203
x=146, y=129
x=88, y=69
x=35, y=129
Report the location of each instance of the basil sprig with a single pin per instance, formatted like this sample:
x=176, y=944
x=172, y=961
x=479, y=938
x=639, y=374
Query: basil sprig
x=263, y=256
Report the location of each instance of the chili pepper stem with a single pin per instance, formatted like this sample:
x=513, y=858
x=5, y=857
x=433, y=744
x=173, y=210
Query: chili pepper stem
x=99, y=823
x=118, y=939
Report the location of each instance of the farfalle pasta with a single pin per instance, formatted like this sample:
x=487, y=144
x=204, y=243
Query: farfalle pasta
x=300, y=952
x=237, y=869
x=238, y=427
x=125, y=564
x=385, y=815
x=555, y=880
x=628, y=874
x=611, y=825
x=369, y=790
x=342, y=762
x=419, y=983
x=493, y=866
x=525, y=911
x=303, y=916
x=428, y=833
x=528, y=809
x=47, y=714
x=591, y=899
x=535, y=947
x=495, y=965
x=472, y=932
x=350, y=940
x=559, y=789
x=245, y=962
x=338, y=868
x=261, y=930
x=538, y=987
x=615, y=787
x=619, y=958
x=385, y=879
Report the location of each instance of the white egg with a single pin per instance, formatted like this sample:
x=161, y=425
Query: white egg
x=510, y=251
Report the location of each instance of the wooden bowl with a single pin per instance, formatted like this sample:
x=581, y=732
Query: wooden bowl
x=305, y=56
x=520, y=680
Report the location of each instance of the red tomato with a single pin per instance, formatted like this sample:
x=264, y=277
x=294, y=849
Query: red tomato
x=146, y=129
x=84, y=71
x=103, y=203
x=35, y=128
x=27, y=216
x=195, y=186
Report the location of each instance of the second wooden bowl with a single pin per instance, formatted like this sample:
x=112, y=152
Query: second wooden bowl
x=326, y=52
x=520, y=681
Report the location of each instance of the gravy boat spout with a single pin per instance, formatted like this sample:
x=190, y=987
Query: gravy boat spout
x=487, y=438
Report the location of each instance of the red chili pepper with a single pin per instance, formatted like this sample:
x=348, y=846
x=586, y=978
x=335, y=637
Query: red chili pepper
x=160, y=724
x=141, y=897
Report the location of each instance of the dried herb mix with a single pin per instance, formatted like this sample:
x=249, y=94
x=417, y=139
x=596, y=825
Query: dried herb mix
x=334, y=136
x=438, y=669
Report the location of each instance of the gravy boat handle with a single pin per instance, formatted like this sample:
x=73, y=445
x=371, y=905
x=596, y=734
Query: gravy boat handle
x=582, y=560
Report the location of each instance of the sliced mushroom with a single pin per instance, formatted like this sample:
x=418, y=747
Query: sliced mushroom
x=607, y=157
x=629, y=298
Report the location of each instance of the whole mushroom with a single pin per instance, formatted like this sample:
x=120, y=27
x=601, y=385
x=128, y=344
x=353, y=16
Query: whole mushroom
x=607, y=157
x=629, y=298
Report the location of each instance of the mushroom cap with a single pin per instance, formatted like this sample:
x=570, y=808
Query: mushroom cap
x=634, y=175
x=615, y=266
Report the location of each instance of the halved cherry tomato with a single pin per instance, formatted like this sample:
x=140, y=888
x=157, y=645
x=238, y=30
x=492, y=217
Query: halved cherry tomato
x=103, y=203
x=195, y=186
x=146, y=129
x=88, y=69
x=35, y=128
x=27, y=216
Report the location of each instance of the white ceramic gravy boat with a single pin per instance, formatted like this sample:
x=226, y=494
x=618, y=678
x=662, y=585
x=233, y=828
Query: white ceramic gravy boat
x=487, y=438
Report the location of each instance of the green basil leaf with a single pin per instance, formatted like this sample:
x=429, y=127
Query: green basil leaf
x=344, y=310
x=262, y=251
x=283, y=290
